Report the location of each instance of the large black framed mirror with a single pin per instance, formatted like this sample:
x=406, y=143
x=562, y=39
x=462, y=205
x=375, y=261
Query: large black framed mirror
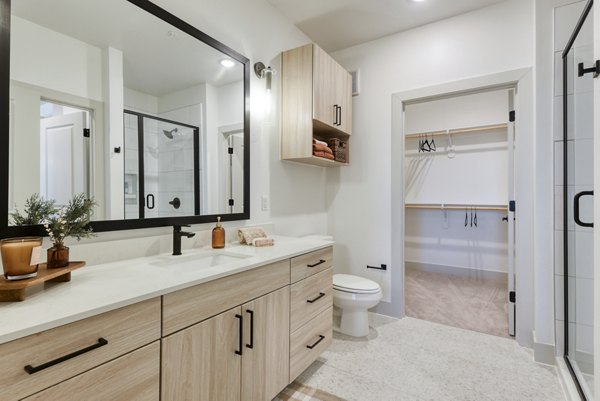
x=127, y=103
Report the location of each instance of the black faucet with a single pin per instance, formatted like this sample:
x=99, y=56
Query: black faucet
x=177, y=234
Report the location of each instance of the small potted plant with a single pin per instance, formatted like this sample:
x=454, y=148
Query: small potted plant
x=70, y=221
x=20, y=255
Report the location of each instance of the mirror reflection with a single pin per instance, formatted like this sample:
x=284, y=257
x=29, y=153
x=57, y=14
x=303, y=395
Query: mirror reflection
x=111, y=101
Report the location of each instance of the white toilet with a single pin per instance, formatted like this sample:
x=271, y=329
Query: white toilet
x=355, y=296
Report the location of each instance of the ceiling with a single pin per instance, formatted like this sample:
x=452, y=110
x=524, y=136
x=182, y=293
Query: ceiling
x=337, y=24
x=157, y=58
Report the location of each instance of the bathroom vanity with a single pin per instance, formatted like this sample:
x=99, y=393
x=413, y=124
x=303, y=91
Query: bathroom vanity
x=238, y=324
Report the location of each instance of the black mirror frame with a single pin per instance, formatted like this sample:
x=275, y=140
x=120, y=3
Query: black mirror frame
x=114, y=225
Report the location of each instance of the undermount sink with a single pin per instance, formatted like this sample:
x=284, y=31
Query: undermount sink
x=197, y=259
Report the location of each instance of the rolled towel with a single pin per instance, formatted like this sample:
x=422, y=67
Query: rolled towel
x=316, y=141
x=263, y=242
x=322, y=148
x=247, y=234
x=324, y=155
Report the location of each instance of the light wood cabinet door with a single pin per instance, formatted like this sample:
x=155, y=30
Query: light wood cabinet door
x=344, y=93
x=265, y=364
x=132, y=377
x=200, y=363
x=324, y=88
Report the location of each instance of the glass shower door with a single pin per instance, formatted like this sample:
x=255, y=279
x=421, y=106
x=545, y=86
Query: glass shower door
x=170, y=173
x=579, y=196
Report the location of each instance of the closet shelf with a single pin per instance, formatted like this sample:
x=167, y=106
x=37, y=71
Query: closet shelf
x=468, y=130
x=500, y=208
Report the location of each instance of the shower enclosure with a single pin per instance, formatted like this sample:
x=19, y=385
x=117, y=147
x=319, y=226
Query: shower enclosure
x=579, y=71
x=161, y=167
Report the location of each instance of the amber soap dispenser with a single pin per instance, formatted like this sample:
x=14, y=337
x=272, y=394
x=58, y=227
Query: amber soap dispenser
x=218, y=235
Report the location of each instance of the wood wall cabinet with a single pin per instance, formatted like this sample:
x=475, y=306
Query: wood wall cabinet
x=241, y=354
x=316, y=103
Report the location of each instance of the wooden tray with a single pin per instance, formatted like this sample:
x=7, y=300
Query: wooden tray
x=11, y=291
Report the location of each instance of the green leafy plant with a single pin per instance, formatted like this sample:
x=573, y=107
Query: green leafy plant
x=36, y=211
x=71, y=221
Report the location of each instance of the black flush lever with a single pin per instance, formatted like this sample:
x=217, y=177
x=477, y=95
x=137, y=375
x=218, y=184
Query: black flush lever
x=595, y=69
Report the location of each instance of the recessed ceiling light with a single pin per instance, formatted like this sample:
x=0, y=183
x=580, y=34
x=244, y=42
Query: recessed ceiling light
x=227, y=63
x=417, y=1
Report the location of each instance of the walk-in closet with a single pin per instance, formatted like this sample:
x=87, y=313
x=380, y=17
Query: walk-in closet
x=459, y=210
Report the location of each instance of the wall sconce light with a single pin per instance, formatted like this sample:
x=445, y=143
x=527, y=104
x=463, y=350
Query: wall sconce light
x=264, y=72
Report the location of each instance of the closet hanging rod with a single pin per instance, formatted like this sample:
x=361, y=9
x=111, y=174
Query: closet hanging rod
x=499, y=208
x=468, y=130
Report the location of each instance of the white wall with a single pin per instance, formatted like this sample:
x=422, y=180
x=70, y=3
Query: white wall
x=491, y=40
x=76, y=67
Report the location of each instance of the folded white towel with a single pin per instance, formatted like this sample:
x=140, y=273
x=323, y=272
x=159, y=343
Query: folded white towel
x=319, y=142
x=263, y=242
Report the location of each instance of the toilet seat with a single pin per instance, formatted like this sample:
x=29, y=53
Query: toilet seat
x=354, y=284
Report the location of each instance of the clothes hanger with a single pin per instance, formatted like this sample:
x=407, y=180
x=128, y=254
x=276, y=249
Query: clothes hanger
x=471, y=216
x=475, y=221
x=432, y=144
x=466, y=217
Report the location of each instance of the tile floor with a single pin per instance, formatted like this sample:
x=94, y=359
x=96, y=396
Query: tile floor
x=416, y=360
x=469, y=302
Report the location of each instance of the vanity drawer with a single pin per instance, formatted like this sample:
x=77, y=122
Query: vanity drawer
x=309, y=297
x=309, y=341
x=132, y=377
x=311, y=263
x=186, y=307
x=123, y=329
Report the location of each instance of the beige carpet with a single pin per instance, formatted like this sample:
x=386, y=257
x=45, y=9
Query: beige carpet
x=471, y=303
x=301, y=392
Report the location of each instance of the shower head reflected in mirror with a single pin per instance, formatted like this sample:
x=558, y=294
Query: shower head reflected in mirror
x=169, y=134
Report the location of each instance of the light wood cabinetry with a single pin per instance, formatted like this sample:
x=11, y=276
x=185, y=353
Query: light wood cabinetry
x=316, y=103
x=311, y=263
x=133, y=377
x=308, y=342
x=200, y=363
x=189, y=306
x=241, y=354
x=123, y=330
x=243, y=337
x=311, y=308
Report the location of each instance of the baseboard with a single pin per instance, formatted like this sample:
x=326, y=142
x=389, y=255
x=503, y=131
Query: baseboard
x=544, y=353
x=489, y=275
x=566, y=381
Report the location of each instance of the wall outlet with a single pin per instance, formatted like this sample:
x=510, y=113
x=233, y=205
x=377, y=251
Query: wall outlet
x=264, y=203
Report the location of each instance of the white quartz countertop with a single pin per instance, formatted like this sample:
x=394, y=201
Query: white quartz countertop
x=100, y=288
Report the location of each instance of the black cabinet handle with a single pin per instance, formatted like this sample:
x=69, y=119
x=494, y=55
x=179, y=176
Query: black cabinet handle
x=320, y=262
x=321, y=338
x=33, y=369
x=340, y=116
x=240, y=340
x=335, y=106
x=312, y=301
x=251, y=313
x=150, y=201
x=576, y=211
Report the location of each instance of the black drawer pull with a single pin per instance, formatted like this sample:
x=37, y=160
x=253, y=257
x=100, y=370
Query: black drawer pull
x=241, y=339
x=320, y=262
x=33, y=369
x=312, y=301
x=321, y=338
x=251, y=313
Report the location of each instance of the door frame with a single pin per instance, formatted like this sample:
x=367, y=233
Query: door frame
x=523, y=80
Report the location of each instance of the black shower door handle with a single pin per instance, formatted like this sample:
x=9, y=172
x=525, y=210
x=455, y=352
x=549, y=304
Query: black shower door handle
x=577, y=208
x=150, y=201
